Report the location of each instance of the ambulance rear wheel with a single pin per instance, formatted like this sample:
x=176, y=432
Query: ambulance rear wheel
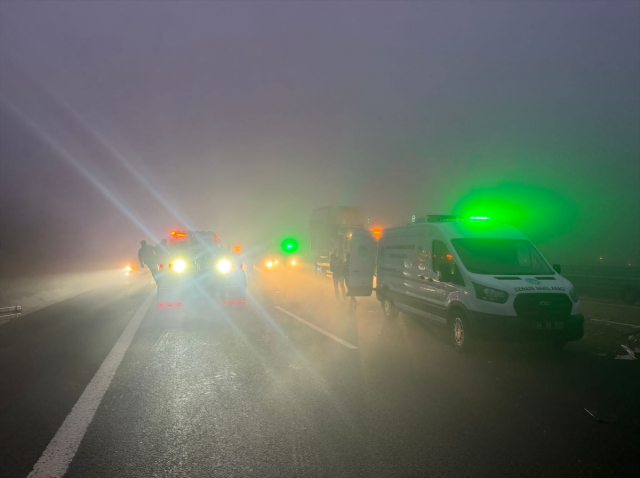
x=389, y=308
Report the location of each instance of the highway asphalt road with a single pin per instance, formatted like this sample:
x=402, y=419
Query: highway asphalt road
x=297, y=384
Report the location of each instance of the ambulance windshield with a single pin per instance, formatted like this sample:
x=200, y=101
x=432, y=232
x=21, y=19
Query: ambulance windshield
x=500, y=256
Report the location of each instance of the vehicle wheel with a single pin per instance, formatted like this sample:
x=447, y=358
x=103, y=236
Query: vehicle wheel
x=629, y=295
x=459, y=324
x=389, y=308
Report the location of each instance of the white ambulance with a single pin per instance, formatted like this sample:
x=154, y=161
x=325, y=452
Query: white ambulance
x=481, y=279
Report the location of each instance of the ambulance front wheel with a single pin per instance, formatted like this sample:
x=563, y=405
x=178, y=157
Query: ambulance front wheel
x=459, y=327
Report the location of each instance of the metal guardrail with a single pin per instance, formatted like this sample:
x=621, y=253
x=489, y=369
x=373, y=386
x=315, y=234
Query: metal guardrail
x=8, y=313
x=620, y=283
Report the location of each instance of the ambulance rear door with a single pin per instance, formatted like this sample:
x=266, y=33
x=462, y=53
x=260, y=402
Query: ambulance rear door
x=362, y=261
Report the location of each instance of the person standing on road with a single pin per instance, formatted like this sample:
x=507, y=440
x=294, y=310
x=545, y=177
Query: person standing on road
x=147, y=256
x=336, y=266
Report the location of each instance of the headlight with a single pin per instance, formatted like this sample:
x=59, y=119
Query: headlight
x=573, y=295
x=223, y=266
x=179, y=265
x=269, y=264
x=128, y=269
x=293, y=263
x=489, y=294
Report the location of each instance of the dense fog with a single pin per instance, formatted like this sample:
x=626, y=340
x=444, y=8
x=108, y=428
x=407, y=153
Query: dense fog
x=119, y=122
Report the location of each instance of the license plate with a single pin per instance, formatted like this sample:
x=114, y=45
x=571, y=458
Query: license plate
x=549, y=325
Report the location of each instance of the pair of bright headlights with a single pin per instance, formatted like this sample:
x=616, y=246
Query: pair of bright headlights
x=223, y=266
x=270, y=264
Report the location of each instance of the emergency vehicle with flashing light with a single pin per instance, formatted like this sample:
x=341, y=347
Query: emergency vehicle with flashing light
x=480, y=278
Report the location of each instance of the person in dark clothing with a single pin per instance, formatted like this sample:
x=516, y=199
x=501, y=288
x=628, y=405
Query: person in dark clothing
x=336, y=267
x=147, y=256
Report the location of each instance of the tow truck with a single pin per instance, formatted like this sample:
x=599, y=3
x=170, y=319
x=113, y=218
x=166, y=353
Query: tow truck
x=197, y=263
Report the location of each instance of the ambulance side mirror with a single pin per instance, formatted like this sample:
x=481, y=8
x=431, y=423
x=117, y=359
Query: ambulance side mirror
x=557, y=268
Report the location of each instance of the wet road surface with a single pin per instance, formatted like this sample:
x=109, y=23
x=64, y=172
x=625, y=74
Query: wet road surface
x=297, y=384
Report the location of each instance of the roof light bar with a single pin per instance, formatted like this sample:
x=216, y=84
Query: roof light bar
x=442, y=218
x=449, y=218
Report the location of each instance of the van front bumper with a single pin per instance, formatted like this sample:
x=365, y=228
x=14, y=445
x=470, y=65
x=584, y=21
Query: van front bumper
x=501, y=327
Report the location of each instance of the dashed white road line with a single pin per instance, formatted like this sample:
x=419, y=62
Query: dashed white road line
x=622, y=306
x=617, y=323
x=318, y=329
x=58, y=455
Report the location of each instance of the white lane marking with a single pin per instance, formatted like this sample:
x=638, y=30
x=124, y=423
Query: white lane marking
x=318, y=329
x=617, y=323
x=56, y=458
x=609, y=303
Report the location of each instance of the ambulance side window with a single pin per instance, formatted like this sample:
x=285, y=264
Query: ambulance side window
x=444, y=263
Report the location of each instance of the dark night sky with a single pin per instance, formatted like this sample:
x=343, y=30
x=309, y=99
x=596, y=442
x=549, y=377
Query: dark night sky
x=244, y=117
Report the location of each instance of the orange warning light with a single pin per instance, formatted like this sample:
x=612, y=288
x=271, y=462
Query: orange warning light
x=377, y=232
x=237, y=248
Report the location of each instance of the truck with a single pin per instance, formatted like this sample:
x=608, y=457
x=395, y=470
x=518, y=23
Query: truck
x=330, y=230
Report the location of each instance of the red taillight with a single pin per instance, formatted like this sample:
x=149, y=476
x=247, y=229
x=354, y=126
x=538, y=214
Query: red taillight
x=226, y=302
x=179, y=304
x=235, y=302
x=244, y=301
x=169, y=304
x=160, y=266
x=160, y=305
